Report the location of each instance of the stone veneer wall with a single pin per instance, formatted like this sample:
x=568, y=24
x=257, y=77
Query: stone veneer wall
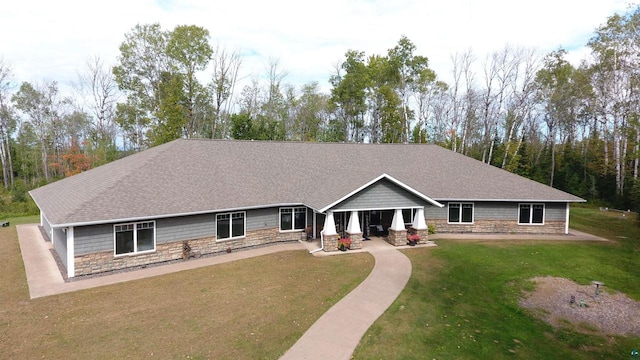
x=106, y=261
x=397, y=238
x=498, y=226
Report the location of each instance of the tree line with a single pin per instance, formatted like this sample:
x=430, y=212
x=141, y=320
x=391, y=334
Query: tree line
x=572, y=127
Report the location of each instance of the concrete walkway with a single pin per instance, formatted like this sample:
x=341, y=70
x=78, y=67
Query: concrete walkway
x=44, y=278
x=337, y=333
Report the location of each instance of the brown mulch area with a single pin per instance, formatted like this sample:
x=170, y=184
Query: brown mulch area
x=610, y=313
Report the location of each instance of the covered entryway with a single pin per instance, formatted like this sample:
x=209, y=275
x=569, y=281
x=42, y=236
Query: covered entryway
x=383, y=207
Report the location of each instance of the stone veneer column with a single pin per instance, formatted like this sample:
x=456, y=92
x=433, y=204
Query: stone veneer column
x=356, y=240
x=419, y=226
x=354, y=231
x=331, y=242
x=397, y=237
x=423, y=233
x=397, y=233
x=330, y=236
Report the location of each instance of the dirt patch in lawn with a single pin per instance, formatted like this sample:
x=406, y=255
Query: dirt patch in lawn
x=610, y=313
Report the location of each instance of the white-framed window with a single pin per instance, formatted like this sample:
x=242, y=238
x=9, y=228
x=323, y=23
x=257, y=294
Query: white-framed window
x=460, y=213
x=230, y=225
x=293, y=218
x=407, y=215
x=133, y=238
x=531, y=214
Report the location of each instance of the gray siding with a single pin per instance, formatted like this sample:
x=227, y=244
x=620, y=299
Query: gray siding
x=262, y=218
x=60, y=245
x=497, y=211
x=91, y=239
x=45, y=225
x=185, y=228
x=98, y=238
x=382, y=195
x=555, y=211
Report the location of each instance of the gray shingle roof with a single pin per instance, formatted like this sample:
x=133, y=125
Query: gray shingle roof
x=197, y=176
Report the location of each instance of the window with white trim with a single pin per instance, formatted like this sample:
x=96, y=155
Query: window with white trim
x=531, y=214
x=134, y=237
x=230, y=225
x=460, y=213
x=407, y=215
x=293, y=218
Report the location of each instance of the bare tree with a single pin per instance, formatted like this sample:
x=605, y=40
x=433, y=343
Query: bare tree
x=226, y=66
x=7, y=123
x=97, y=86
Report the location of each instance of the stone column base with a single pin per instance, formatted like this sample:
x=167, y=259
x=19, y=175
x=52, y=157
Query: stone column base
x=397, y=237
x=356, y=240
x=423, y=234
x=331, y=242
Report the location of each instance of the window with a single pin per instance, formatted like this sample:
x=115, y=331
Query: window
x=293, y=218
x=135, y=237
x=230, y=225
x=407, y=215
x=531, y=214
x=460, y=213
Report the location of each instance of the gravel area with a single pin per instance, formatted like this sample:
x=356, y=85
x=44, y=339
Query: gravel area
x=610, y=313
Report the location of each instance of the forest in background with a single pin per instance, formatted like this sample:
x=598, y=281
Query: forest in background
x=576, y=128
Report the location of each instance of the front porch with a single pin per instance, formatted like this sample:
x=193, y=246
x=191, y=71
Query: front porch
x=383, y=207
x=374, y=242
x=364, y=225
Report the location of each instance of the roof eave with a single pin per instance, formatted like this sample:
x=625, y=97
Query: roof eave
x=165, y=216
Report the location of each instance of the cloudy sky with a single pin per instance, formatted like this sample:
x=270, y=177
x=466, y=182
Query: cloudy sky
x=53, y=39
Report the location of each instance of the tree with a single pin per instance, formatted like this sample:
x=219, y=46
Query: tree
x=97, y=87
x=41, y=105
x=349, y=97
x=7, y=123
x=223, y=81
x=188, y=47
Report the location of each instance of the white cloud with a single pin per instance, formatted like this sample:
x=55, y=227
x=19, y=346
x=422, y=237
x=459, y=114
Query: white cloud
x=53, y=39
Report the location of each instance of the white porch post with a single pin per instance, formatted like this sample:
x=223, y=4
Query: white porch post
x=398, y=221
x=329, y=224
x=315, y=214
x=71, y=268
x=354, y=224
x=418, y=220
x=566, y=220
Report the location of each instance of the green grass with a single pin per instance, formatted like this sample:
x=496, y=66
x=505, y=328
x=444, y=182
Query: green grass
x=250, y=309
x=462, y=299
x=460, y=303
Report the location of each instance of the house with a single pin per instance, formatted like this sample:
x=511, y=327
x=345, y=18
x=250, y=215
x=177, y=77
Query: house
x=212, y=195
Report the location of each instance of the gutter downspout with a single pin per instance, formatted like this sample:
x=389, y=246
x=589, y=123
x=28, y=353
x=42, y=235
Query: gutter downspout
x=321, y=243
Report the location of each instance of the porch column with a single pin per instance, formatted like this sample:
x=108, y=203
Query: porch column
x=329, y=224
x=329, y=234
x=397, y=223
x=354, y=231
x=397, y=232
x=71, y=265
x=566, y=220
x=419, y=226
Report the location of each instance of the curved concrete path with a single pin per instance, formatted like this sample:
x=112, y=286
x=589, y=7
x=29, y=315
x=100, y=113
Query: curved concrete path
x=337, y=333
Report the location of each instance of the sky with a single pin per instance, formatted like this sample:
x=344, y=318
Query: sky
x=53, y=40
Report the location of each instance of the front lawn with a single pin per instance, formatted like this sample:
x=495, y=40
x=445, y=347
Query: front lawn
x=249, y=309
x=462, y=299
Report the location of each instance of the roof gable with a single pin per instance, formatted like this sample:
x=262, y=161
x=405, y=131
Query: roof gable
x=384, y=189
